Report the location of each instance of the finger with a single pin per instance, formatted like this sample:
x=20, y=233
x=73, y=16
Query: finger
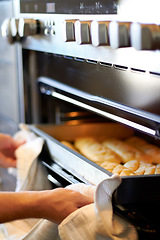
x=15, y=144
x=7, y=161
x=19, y=143
x=85, y=200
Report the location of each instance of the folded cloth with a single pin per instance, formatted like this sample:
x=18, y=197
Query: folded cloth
x=97, y=221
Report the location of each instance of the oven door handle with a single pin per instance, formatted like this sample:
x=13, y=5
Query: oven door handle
x=82, y=99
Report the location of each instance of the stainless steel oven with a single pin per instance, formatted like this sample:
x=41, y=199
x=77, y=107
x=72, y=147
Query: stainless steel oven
x=86, y=65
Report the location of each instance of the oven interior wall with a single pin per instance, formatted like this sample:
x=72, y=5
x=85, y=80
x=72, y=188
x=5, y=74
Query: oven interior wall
x=134, y=89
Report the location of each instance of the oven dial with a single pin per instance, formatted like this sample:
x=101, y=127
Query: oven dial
x=9, y=30
x=119, y=34
x=145, y=36
x=68, y=30
x=30, y=27
x=99, y=33
x=82, y=32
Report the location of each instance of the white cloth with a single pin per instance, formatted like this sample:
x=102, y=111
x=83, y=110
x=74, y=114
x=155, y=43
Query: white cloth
x=93, y=222
x=97, y=221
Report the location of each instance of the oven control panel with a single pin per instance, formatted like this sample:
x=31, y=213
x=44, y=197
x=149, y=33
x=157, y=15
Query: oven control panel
x=124, y=33
x=115, y=34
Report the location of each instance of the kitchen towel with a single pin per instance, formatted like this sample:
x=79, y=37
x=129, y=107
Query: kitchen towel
x=97, y=221
x=93, y=222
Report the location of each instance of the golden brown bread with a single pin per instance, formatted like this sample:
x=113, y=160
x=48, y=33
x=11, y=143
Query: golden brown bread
x=126, y=151
x=118, y=169
x=93, y=150
x=122, y=171
x=150, y=149
x=109, y=165
x=132, y=165
x=69, y=145
x=145, y=168
x=157, y=170
x=150, y=170
x=126, y=172
x=117, y=156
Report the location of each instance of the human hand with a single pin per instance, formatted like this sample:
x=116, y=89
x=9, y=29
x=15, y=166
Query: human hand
x=55, y=205
x=7, y=150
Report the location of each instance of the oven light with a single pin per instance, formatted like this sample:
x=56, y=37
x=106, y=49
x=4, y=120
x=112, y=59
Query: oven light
x=105, y=114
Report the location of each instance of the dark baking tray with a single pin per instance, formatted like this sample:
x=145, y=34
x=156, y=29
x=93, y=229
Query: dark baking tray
x=133, y=189
x=136, y=199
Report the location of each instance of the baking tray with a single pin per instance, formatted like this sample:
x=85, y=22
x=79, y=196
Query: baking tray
x=136, y=199
x=74, y=162
x=133, y=189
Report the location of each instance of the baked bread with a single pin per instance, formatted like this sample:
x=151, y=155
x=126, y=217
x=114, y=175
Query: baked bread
x=150, y=149
x=69, y=145
x=95, y=151
x=133, y=165
x=122, y=171
x=157, y=170
x=126, y=151
x=109, y=165
x=118, y=169
x=126, y=172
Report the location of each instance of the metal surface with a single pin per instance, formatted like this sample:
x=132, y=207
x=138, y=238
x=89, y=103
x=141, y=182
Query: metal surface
x=8, y=70
x=88, y=101
x=128, y=57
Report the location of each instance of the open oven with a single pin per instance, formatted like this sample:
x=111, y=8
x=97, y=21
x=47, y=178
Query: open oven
x=92, y=69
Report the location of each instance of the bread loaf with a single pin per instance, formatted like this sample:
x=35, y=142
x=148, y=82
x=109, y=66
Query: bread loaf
x=126, y=172
x=126, y=151
x=94, y=151
x=132, y=165
x=157, y=170
x=109, y=165
x=69, y=145
x=150, y=149
x=118, y=169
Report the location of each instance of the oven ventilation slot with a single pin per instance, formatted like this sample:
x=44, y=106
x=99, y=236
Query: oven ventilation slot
x=155, y=74
x=58, y=55
x=119, y=67
x=68, y=57
x=90, y=102
x=91, y=61
x=138, y=70
x=105, y=64
x=79, y=59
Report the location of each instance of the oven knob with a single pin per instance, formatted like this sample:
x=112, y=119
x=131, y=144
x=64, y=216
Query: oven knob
x=119, y=34
x=9, y=30
x=68, y=30
x=99, y=33
x=30, y=27
x=82, y=32
x=145, y=36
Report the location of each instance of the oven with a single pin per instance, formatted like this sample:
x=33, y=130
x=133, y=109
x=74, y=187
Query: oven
x=91, y=68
